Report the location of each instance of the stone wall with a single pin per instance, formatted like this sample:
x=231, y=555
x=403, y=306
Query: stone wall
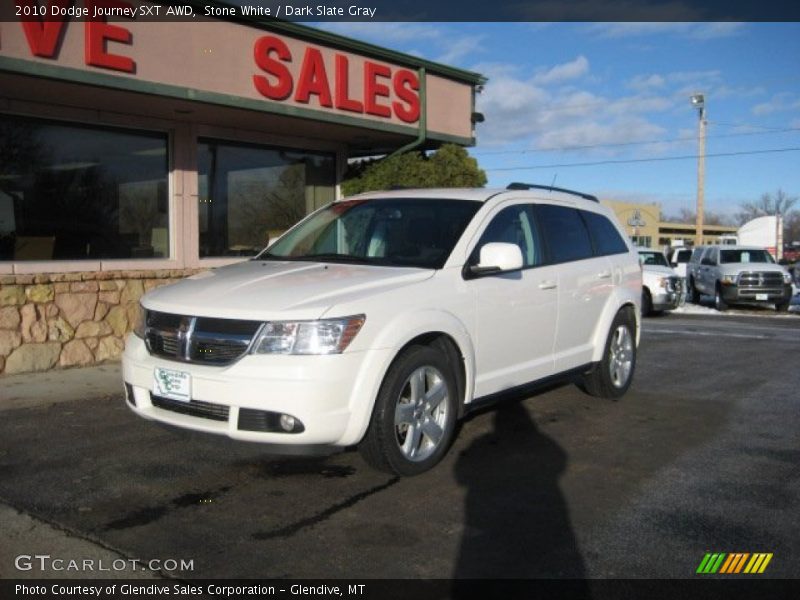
x=70, y=319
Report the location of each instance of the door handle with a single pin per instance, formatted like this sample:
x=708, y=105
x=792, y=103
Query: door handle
x=548, y=285
x=604, y=275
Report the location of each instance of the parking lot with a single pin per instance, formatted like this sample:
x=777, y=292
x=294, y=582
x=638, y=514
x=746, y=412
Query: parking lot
x=701, y=456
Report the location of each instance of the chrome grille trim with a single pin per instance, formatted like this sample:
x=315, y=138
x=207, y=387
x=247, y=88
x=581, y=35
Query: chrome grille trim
x=760, y=279
x=200, y=340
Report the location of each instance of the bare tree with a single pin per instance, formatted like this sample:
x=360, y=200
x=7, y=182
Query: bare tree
x=769, y=204
x=709, y=217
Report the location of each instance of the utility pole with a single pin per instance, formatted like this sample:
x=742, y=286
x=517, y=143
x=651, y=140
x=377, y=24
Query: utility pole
x=699, y=102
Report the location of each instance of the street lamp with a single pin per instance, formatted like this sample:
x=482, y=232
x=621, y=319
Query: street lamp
x=699, y=102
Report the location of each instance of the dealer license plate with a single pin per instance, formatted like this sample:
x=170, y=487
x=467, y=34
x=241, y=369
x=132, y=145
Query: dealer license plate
x=762, y=297
x=173, y=384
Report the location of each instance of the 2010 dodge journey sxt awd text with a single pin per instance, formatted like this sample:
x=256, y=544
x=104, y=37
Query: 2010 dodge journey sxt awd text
x=381, y=319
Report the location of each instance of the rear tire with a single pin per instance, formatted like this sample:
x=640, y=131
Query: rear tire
x=612, y=376
x=414, y=419
x=719, y=301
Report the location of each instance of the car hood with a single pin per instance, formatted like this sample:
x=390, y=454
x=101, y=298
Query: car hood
x=268, y=290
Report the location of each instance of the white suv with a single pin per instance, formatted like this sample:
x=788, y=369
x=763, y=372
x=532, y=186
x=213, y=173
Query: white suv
x=381, y=319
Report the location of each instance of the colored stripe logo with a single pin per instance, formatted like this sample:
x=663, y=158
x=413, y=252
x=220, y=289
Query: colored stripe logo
x=734, y=563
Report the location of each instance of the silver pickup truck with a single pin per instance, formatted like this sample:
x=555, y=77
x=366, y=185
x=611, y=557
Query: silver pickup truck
x=737, y=274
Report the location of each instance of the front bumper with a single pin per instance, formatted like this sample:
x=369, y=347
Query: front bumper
x=330, y=395
x=733, y=293
x=666, y=300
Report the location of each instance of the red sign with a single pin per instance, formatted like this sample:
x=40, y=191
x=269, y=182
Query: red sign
x=272, y=56
x=386, y=91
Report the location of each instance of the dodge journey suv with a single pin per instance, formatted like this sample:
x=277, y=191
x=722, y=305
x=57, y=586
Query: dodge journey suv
x=381, y=319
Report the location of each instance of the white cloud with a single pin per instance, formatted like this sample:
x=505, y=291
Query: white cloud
x=460, y=47
x=520, y=109
x=563, y=72
x=697, y=31
x=782, y=102
x=646, y=82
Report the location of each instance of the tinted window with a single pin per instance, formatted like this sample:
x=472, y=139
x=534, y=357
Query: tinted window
x=564, y=233
x=513, y=225
x=653, y=258
x=605, y=237
x=71, y=192
x=745, y=256
x=413, y=232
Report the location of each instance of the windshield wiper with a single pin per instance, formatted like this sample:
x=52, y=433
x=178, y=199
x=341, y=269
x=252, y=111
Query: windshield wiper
x=334, y=257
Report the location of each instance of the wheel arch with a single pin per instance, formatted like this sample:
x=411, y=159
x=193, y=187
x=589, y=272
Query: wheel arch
x=618, y=303
x=437, y=329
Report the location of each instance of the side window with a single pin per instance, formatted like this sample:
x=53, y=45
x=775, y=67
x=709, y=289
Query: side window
x=564, y=233
x=605, y=237
x=512, y=225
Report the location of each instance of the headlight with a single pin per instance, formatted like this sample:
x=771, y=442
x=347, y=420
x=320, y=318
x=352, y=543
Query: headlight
x=787, y=277
x=327, y=336
x=729, y=279
x=662, y=282
x=139, y=322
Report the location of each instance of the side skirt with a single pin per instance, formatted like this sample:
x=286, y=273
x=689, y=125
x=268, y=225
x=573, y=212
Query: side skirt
x=526, y=389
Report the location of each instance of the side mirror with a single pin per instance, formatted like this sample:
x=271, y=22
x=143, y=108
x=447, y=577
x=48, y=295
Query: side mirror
x=673, y=264
x=498, y=257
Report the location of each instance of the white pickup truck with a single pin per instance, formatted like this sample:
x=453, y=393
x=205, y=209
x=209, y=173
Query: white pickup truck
x=662, y=288
x=738, y=274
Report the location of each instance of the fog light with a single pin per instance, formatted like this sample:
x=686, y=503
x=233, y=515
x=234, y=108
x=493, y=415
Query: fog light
x=287, y=422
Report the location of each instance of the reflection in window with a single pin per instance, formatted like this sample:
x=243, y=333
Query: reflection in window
x=248, y=195
x=71, y=192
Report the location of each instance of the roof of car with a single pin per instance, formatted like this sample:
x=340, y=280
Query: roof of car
x=474, y=194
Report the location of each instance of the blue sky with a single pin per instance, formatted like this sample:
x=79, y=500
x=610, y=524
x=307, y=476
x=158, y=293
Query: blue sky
x=623, y=89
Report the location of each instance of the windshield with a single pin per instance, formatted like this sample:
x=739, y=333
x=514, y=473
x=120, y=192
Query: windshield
x=745, y=256
x=399, y=232
x=653, y=258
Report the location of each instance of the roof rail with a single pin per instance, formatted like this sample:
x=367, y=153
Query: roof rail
x=533, y=186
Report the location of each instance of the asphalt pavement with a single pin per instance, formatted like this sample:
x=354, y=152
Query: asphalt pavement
x=700, y=456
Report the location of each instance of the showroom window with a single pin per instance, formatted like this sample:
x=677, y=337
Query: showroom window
x=249, y=194
x=73, y=192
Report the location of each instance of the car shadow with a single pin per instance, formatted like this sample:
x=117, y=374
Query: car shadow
x=517, y=520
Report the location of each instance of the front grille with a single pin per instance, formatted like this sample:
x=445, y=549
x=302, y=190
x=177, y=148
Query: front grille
x=761, y=280
x=195, y=408
x=200, y=340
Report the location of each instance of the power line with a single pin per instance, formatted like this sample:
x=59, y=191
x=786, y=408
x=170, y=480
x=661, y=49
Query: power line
x=641, y=143
x=643, y=160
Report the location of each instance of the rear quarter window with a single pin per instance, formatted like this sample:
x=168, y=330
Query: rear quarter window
x=605, y=237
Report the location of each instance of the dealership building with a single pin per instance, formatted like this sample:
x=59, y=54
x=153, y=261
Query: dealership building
x=135, y=152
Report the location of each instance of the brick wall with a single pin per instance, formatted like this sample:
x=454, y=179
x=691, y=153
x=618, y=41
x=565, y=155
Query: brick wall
x=58, y=320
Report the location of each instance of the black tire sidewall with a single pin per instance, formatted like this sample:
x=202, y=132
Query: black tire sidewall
x=406, y=363
x=623, y=318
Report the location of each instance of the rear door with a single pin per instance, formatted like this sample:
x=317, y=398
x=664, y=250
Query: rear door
x=585, y=282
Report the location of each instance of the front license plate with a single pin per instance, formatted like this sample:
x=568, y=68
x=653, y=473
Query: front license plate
x=762, y=297
x=172, y=384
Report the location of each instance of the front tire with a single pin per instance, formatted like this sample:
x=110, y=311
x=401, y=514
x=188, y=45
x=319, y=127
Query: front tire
x=647, y=303
x=719, y=301
x=612, y=376
x=414, y=418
